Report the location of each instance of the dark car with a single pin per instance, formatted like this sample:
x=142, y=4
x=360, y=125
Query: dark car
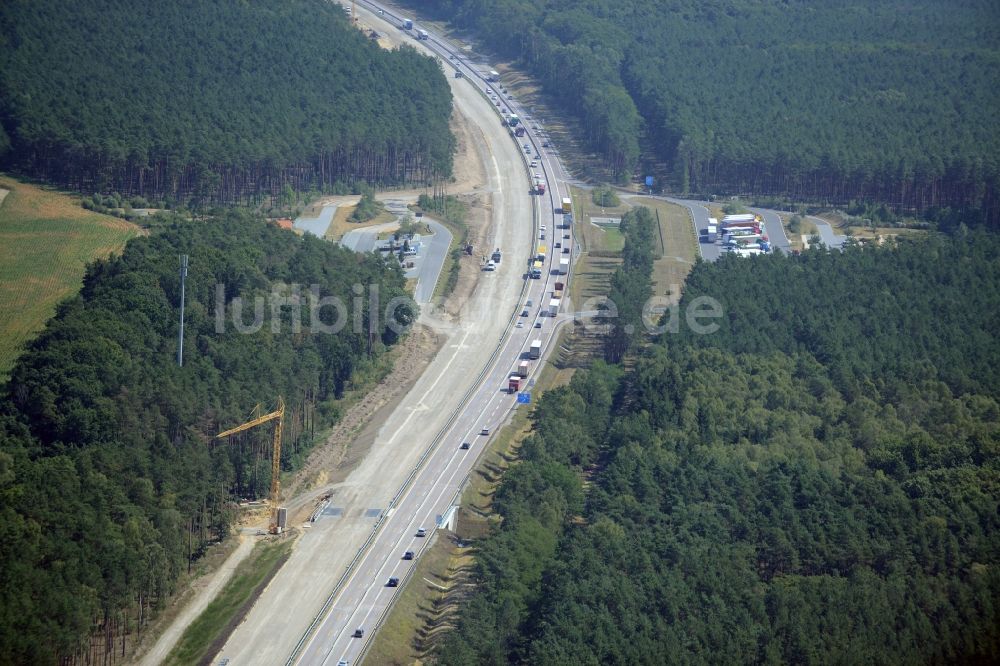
x=358, y=633
x=408, y=555
x=393, y=582
x=465, y=446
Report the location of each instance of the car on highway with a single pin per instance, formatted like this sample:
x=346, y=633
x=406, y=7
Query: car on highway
x=484, y=431
x=408, y=555
x=534, y=163
x=421, y=532
x=342, y=662
x=541, y=236
x=392, y=582
x=465, y=446
x=542, y=227
x=538, y=324
x=524, y=312
x=565, y=250
x=558, y=245
x=358, y=633
x=545, y=144
x=520, y=324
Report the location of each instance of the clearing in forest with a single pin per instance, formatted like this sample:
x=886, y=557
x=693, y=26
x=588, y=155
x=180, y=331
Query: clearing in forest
x=46, y=241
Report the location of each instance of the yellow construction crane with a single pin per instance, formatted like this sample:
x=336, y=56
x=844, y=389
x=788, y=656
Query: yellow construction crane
x=279, y=416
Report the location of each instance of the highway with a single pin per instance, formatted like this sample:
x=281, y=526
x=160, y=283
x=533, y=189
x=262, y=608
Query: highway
x=337, y=572
x=364, y=598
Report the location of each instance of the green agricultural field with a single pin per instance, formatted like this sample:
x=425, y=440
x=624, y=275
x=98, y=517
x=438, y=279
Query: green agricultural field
x=46, y=241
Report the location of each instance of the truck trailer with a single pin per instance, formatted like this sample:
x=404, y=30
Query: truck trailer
x=422, y=34
x=514, y=383
x=553, y=307
x=567, y=206
x=407, y=24
x=563, y=265
x=535, y=351
x=522, y=369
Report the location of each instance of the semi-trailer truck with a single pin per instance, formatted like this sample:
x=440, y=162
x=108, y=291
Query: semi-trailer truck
x=535, y=351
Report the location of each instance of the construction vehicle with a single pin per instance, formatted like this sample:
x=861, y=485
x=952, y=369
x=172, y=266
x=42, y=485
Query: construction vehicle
x=278, y=416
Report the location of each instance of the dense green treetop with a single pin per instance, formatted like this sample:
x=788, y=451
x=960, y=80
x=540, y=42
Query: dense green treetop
x=859, y=99
x=107, y=469
x=211, y=86
x=816, y=482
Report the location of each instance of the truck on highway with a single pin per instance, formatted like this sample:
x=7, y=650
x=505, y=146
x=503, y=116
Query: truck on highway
x=514, y=383
x=567, y=206
x=422, y=34
x=407, y=24
x=519, y=130
x=539, y=186
x=522, y=369
x=742, y=217
x=493, y=76
x=540, y=256
x=553, y=307
x=563, y=265
x=513, y=120
x=536, y=270
x=535, y=351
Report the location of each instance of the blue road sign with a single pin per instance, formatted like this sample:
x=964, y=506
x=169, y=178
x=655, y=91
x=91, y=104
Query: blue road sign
x=649, y=181
x=524, y=398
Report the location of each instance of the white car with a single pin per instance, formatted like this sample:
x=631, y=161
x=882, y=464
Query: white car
x=534, y=163
x=519, y=324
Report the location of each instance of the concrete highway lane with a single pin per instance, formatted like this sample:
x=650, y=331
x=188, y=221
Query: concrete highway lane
x=338, y=569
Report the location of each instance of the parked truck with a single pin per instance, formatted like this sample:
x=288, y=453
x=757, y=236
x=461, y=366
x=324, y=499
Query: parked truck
x=712, y=230
x=535, y=351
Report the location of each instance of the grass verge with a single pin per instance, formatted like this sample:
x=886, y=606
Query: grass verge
x=208, y=633
x=679, y=246
x=46, y=241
